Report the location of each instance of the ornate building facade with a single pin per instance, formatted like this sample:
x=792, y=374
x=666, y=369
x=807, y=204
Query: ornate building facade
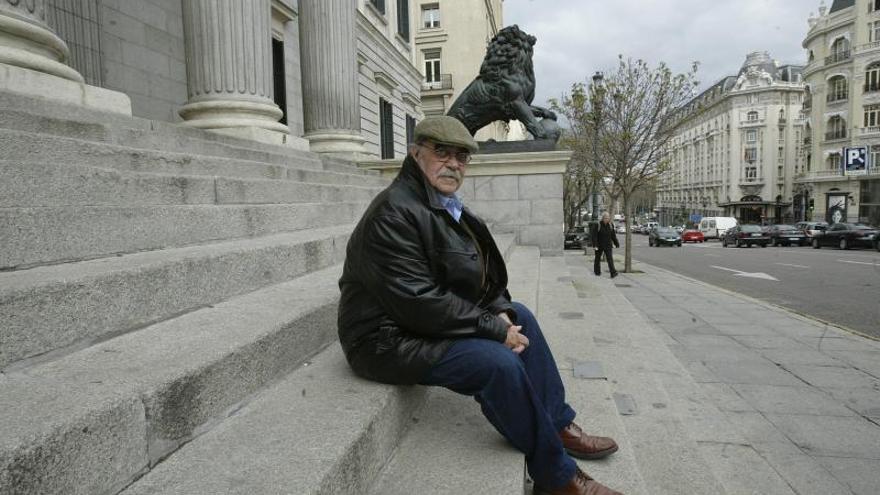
x=736, y=148
x=333, y=76
x=843, y=110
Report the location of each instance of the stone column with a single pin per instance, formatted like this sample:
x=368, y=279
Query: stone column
x=26, y=40
x=331, y=101
x=229, y=69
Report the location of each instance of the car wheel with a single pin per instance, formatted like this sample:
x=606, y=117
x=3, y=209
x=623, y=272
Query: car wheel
x=650, y=244
x=679, y=244
x=816, y=243
x=775, y=243
x=844, y=244
x=763, y=244
x=877, y=245
x=723, y=242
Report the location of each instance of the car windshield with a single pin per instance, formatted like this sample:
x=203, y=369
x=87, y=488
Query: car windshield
x=664, y=230
x=751, y=228
x=785, y=227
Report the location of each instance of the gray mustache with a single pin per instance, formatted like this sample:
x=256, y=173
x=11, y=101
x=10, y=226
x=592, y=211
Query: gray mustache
x=452, y=175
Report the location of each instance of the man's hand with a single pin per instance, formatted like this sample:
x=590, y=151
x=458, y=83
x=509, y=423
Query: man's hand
x=516, y=341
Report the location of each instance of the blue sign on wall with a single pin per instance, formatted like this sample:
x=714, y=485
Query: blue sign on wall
x=695, y=217
x=855, y=160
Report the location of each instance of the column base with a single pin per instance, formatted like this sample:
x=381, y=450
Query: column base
x=265, y=136
x=347, y=146
x=31, y=83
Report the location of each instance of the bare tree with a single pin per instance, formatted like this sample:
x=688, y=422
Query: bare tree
x=631, y=112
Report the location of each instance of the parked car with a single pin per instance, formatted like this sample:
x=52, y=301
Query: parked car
x=745, y=235
x=692, y=235
x=787, y=235
x=664, y=235
x=811, y=228
x=715, y=227
x=621, y=228
x=848, y=235
x=577, y=237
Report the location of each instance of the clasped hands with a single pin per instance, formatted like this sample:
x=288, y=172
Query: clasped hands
x=516, y=341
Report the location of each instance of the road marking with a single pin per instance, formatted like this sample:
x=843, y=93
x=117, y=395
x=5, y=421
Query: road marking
x=791, y=265
x=858, y=262
x=738, y=273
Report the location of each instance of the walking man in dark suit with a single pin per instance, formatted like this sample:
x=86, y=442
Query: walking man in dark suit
x=602, y=236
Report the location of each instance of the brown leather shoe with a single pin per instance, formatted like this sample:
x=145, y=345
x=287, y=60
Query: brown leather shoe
x=581, y=484
x=579, y=444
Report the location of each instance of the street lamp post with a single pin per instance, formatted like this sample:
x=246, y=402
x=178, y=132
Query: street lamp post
x=597, y=120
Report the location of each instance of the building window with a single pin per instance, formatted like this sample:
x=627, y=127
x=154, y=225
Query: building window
x=872, y=116
x=837, y=89
x=379, y=4
x=403, y=19
x=410, y=128
x=752, y=116
x=834, y=161
x=751, y=155
x=873, y=5
x=386, y=129
x=751, y=136
x=836, y=128
x=432, y=67
x=431, y=16
x=872, y=77
x=780, y=153
x=874, y=31
x=751, y=174
x=839, y=51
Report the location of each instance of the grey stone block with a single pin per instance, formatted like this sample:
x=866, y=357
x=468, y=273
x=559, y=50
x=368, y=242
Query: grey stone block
x=548, y=237
x=831, y=435
x=497, y=188
x=238, y=191
x=831, y=378
x=451, y=448
x=762, y=374
x=860, y=476
x=503, y=212
x=803, y=473
x=321, y=430
x=791, y=400
x=546, y=211
x=730, y=461
x=52, y=307
x=44, y=235
x=180, y=375
x=544, y=186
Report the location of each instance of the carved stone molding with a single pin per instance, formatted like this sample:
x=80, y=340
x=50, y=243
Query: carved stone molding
x=26, y=41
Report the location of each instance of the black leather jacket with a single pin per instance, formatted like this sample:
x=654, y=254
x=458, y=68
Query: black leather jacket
x=602, y=235
x=412, y=283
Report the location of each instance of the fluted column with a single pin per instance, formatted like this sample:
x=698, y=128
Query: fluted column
x=26, y=40
x=331, y=102
x=229, y=65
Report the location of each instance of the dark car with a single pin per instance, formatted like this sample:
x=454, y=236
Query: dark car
x=664, y=235
x=577, y=237
x=745, y=235
x=848, y=235
x=811, y=228
x=786, y=235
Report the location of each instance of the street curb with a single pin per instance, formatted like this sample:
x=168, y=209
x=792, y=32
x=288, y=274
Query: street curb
x=763, y=303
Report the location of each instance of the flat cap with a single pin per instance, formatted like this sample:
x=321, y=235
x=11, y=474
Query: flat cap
x=445, y=130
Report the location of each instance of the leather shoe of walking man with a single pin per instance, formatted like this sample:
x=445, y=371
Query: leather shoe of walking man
x=579, y=444
x=581, y=484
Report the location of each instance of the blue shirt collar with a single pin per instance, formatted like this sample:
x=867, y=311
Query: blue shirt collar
x=452, y=204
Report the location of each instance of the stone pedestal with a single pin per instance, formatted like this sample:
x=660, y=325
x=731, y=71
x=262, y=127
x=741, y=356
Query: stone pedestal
x=331, y=102
x=513, y=192
x=32, y=61
x=229, y=70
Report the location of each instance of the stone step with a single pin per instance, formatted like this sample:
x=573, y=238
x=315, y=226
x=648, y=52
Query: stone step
x=44, y=235
x=53, y=310
x=40, y=184
x=27, y=147
x=94, y=420
x=321, y=431
x=147, y=134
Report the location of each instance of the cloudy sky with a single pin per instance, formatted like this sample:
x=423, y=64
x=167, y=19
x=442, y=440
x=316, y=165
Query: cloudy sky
x=578, y=37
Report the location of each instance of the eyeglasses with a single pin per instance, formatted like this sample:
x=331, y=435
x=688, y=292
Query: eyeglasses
x=445, y=154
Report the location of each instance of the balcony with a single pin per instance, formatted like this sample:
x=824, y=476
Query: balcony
x=868, y=131
x=867, y=46
x=837, y=57
x=445, y=83
x=835, y=135
x=746, y=123
x=751, y=181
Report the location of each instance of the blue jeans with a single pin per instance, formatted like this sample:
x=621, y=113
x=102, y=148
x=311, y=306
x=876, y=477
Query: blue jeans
x=521, y=395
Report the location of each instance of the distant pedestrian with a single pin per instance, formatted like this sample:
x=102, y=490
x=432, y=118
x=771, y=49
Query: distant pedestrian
x=603, y=236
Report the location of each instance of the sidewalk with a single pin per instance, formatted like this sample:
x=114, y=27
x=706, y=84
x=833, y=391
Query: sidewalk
x=720, y=393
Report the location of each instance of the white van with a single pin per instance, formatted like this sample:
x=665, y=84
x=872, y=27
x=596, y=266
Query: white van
x=715, y=227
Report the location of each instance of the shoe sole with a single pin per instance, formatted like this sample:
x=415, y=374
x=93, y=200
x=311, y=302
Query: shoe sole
x=595, y=455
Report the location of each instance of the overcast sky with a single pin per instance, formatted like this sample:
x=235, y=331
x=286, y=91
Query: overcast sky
x=578, y=37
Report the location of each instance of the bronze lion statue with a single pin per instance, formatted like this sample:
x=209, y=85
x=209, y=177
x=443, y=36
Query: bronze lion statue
x=505, y=88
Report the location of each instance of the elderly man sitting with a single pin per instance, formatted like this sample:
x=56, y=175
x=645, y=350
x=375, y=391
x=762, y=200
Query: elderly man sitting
x=424, y=300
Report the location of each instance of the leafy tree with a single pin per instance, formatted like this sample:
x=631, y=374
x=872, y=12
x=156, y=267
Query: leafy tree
x=631, y=112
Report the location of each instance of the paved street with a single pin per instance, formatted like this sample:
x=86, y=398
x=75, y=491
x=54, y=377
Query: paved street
x=800, y=400
x=842, y=287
